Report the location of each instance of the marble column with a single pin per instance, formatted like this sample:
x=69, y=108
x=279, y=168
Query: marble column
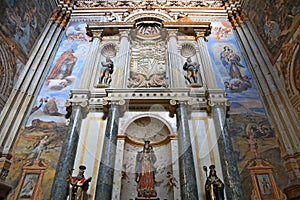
x=104, y=187
x=187, y=175
x=209, y=78
x=66, y=161
x=122, y=61
x=90, y=62
x=174, y=63
x=229, y=165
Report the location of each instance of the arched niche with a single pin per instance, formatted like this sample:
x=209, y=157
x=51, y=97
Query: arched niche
x=159, y=134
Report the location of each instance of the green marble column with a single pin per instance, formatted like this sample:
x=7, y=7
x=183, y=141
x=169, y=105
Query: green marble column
x=66, y=161
x=187, y=175
x=106, y=169
x=233, y=186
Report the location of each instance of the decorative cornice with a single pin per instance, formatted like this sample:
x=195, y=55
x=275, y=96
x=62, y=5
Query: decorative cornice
x=98, y=29
x=149, y=5
x=79, y=97
x=216, y=98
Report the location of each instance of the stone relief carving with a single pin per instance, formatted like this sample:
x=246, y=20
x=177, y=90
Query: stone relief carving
x=148, y=29
x=148, y=65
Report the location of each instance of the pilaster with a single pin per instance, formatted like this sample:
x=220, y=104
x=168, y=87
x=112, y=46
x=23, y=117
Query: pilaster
x=209, y=77
x=173, y=59
x=91, y=60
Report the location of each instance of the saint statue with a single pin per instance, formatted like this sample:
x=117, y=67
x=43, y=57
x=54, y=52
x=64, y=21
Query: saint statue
x=146, y=171
x=214, y=187
x=79, y=185
x=107, y=70
x=192, y=69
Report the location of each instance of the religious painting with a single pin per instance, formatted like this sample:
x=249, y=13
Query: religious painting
x=274, y=21
x=64, y=75
x=22, y=22
x=233, y=74
x=28, y=186
x=42, y=138
x=265, y=186
x=251, y=133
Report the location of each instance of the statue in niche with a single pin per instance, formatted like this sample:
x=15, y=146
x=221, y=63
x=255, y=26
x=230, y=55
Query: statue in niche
x=192, y=69
x=79, y=185
x=107, y=70
x=145, y=176
x=214, y=187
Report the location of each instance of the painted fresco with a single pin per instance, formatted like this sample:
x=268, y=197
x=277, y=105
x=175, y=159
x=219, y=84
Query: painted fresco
x=275, y=22
x=23, y=22
x=251, y=133
x=41, y=140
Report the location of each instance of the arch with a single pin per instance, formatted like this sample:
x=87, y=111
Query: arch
x=148, y=16
x=160, y=139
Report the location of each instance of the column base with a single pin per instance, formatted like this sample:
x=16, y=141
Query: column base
x=292, y=191
x=4, y=189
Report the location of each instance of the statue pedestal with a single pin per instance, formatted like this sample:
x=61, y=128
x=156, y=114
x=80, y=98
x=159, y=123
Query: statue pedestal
x=146, y=198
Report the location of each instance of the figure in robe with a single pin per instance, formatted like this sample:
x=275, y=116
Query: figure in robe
x=107, y=70
x=192, y=69
x=79, y=185
x=214, y=187
x=64, y=65
x=146, y=171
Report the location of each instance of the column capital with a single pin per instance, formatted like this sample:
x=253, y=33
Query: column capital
x=124, y=33
x=94, y=33
x=235, y=15
x=79, y=97
x=56, y=13
x=200, y=35
x=174, y=103
x=121, y=103
x=172, y=33
x=65, y=19
x=216, y=98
